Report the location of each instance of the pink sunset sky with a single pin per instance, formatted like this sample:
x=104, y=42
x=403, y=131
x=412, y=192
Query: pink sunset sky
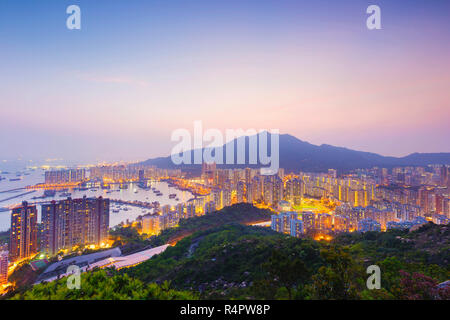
x=117, y=92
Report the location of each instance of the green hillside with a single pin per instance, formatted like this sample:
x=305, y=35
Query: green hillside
x=243, y=213
x=235, y=261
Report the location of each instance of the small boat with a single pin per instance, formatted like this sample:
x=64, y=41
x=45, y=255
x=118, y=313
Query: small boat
x=49, y=193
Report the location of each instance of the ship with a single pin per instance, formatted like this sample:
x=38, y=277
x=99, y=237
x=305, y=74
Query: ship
x=49, y=193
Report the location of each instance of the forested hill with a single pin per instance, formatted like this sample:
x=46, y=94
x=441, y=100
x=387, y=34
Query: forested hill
x=130, y=241
x=242, y=213
x=217, y=256
x=236, y=261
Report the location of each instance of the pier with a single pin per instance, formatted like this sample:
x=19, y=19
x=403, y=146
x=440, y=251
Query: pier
x=17, y=196
x=139, y=204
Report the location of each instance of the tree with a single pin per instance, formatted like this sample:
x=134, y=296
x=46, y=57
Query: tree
x=338, y=279
x=98, y=285
x=417, y=286
x=286, y=270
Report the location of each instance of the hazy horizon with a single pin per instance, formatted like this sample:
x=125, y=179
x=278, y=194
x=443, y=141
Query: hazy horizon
x=137, y=70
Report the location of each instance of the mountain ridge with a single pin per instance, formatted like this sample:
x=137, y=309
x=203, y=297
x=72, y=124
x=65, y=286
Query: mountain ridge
x=296, y=154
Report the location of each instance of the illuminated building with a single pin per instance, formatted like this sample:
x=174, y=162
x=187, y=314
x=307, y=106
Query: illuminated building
x=217, y=196
x=296, y=228
x=297, y=191
x=208, y=172
x=276, y=224
x=324, y=222
x=190, y=210
x=180, y=210
x=268, y=191
x=152, y=224
x=332, y=173
x=3, y=267
x=23, y=237
x=284, y=206
x=401, y=224
x=340, y=223
x=210, y=207
x=308, y=219
x=248, y=175
x=277, y=193
x=226, y=197
x=170, y=220
x=289, y=191
x=165, y=209
x=293, y=191
x=74, y=222
x=368, y=224
x=440, y=219
x=240, y=192
x=282, y=222
x=65, y=176
x=257, y=188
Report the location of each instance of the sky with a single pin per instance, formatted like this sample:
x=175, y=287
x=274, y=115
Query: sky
x=138, y=70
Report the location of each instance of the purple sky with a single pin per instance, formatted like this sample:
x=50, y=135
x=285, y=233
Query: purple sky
x=138, y=70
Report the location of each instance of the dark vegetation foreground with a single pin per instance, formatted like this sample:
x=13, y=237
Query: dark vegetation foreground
x=217, y=258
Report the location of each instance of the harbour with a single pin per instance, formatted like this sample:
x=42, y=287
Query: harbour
x=126, y=203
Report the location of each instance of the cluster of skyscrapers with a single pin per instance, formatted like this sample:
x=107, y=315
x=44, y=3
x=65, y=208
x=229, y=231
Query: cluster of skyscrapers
x=23, y=232
x=66, y=224
x=71, y=223
x=365, y=200
x=132, y=172
x=65, y=176
x=168, y=217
